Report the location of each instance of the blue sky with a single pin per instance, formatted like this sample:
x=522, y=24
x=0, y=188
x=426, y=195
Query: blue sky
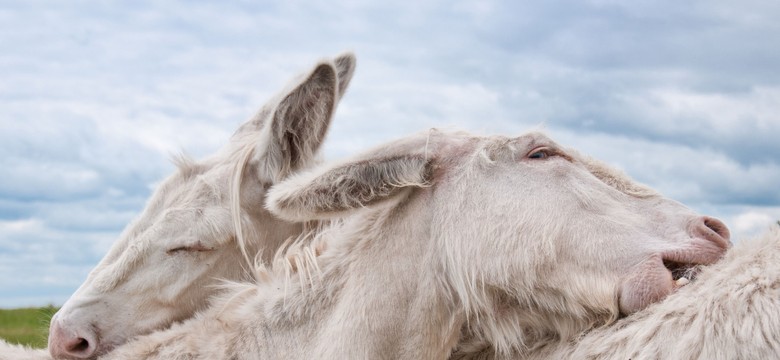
x=95, y=96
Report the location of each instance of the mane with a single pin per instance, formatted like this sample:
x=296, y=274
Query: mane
x=241, y=157
x=299, y=261
x=242, y=149
x=308, y=269
x=296, y=270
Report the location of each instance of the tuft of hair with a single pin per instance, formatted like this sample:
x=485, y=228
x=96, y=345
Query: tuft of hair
x=513, y=324
x=187, y=166
x=245, y=155
x=299, y=256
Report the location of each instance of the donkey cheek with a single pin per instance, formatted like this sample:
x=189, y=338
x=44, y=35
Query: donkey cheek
x=648, y=283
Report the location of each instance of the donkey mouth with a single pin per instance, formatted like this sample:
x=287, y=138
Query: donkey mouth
x=662, y=274
x=682, y=273
x=684, y=265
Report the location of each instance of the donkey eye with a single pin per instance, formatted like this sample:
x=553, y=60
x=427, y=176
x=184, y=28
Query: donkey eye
x=541, y=153
x=197, y=248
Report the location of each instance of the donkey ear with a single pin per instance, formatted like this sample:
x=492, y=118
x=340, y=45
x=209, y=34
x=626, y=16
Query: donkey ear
x=337, y=191
x=345, y=67
x=298, y=124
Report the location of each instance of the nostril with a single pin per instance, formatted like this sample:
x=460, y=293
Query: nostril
x=718, y=227
x=77, y=346
x=70, y=343
x=716, y=230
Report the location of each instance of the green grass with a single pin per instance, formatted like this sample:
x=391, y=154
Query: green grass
x=29, y=326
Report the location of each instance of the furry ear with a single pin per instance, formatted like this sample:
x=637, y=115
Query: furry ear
x=289, y=130
x=298, y=124
x=345, y=67
x=338, y=190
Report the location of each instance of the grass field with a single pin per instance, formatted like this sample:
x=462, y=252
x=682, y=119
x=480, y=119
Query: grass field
x=29, y=326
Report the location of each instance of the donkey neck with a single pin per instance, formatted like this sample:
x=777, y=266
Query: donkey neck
x=393, y=300
x=381, y=294
x=262, y=232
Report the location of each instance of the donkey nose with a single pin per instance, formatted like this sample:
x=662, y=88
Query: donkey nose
x=712, y=229
x=69, y=344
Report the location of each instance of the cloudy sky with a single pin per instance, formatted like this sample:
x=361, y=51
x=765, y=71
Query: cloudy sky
x=95, y=96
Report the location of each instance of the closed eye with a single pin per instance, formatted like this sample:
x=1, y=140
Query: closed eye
x=195, y=248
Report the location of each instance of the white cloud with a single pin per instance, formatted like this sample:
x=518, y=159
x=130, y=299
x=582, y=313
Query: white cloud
x=717, y=114
x=752, y=223
x=741, y=125
x=42, y=263
x=95, y=96
x=689, y=174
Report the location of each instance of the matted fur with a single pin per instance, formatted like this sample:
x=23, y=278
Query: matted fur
x=424, y=248
x=203, y=225
x=731, y=311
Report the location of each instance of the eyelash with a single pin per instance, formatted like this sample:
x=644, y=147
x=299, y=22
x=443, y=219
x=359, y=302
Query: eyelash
x=193, y=248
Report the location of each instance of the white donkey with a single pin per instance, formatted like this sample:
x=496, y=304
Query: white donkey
x=202, y=223
x=440, y=230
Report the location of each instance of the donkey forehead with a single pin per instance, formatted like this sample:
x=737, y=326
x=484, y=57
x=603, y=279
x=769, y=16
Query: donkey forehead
x=453, y=145
x=463, y=145
x=188, y=192
x=192, y=186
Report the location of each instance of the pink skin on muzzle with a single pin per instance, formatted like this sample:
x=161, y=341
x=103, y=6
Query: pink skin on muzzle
x=652, y=280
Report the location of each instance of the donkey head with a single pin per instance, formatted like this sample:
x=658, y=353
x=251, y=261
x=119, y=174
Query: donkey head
x=525, y=237
x=202, y=223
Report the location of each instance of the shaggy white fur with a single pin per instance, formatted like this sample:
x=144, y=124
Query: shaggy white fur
x=18, y=352
x=731, y=311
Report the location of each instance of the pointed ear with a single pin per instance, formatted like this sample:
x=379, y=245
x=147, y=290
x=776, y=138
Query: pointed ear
x=298, y=124
x=339, y=190
x=345, y=67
